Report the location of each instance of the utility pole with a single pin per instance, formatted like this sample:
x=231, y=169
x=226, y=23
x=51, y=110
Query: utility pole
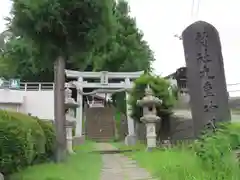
x=59, y=110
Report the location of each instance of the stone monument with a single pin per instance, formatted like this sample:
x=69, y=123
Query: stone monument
x=205, y=76
x=70, y=106
x=149, y=103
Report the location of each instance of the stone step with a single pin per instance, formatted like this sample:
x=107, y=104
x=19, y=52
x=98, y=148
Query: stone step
x=100, y=136
x=102, y=139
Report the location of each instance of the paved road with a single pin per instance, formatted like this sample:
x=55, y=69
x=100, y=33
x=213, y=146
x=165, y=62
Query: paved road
x=187, y=114
x=120, y=167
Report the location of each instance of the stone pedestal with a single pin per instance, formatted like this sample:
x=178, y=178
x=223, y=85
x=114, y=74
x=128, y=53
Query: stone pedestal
x=69, y=127
x=150, y=123
x=69, y=139
x=151, y=135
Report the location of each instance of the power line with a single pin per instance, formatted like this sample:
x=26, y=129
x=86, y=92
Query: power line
x=233, y=84
x=195, y=9
x=192, y=8
x=198, y=6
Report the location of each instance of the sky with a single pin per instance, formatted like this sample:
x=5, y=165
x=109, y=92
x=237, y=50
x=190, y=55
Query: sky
x=160, y=20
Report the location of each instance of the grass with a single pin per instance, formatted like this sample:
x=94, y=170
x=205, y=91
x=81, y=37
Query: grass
x=80, y=166
x=177, y=165
x=183, y=164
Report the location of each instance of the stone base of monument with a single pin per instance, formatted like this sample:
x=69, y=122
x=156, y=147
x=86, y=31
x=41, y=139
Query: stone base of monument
x=78, y=140
x=130, y=140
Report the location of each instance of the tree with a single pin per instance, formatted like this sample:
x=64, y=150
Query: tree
x=59, y=29
x=123, y=50
x=161, y=89
x=20, y=59
x=126, y=51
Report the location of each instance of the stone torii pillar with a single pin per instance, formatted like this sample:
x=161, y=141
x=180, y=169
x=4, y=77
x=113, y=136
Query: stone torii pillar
x=78, y=138
x=131, y=138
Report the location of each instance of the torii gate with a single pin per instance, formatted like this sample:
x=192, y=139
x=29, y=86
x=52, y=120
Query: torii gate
x=105, y=87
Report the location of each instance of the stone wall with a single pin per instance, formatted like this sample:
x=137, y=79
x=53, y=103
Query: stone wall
x=177, y=128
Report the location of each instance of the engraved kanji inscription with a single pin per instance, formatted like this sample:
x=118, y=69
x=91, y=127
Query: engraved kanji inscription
x=211, y=124
x=203, y=57
x=210, y=107
x=205, y=72
x=202, y=38
x=208, y=89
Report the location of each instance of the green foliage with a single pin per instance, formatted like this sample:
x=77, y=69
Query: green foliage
x=161, y=89
x=113, y=45
x=50, y=135
x=39, y=139
x=21, y=59
x=60, y=27
x=215, y=146
x=126, y=51
x=22, y=141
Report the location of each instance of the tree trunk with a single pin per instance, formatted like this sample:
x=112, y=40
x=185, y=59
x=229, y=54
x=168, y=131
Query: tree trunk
x=59, y=110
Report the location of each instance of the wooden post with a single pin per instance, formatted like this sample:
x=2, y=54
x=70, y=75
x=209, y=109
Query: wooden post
x=59, y=110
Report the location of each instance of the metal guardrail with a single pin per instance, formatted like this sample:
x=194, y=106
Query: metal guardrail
x=43, y=86
x=36, y=86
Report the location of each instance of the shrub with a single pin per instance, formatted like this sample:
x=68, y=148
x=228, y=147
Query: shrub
x=49, y=132
x=23, y=141
x=17, y=142
x=161, y=89
x=216, y=149
x=38, y=136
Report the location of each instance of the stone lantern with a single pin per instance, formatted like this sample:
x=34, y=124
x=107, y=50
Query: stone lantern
x=70, y=106
x=149, y=104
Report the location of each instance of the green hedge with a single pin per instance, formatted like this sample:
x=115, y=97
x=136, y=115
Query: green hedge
x=50, y=140
x=24, y=140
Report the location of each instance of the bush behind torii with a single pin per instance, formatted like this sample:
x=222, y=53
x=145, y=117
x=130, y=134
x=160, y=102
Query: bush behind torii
x=161, y=88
